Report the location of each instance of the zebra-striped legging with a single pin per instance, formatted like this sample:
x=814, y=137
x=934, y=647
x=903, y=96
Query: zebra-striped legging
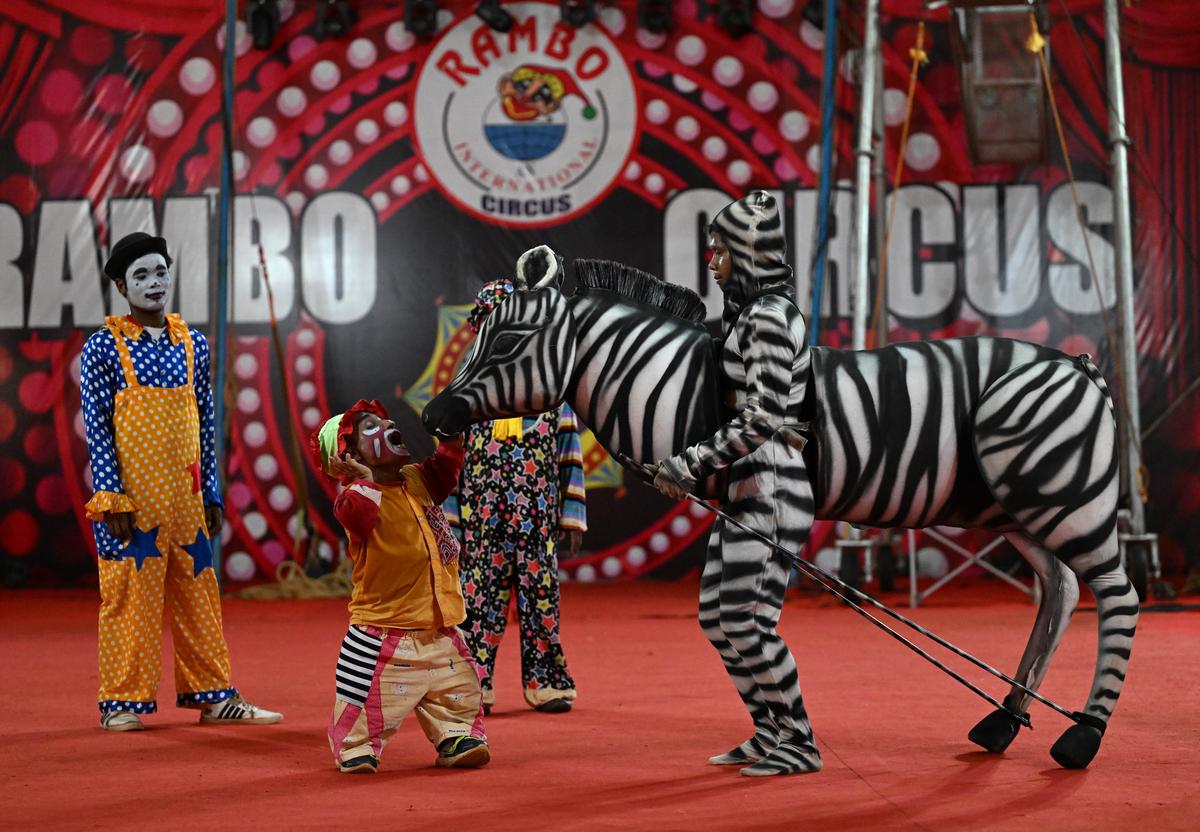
x=741, y=593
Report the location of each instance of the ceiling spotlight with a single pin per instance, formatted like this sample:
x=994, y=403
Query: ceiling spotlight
x=494, y=15
x=334, y=18
x=578, y=13
x=262, y=19
x=420, y=17
x=654, y=15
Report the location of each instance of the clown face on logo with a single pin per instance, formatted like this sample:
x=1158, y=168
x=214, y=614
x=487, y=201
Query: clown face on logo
x=528, y=127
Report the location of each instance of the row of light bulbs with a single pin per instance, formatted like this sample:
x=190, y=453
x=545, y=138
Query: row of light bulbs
x=335, y=18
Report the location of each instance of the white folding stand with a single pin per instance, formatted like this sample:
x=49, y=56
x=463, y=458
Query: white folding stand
x=916, y=596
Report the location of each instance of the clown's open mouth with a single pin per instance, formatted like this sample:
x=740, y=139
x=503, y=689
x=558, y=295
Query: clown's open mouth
x=395, y=442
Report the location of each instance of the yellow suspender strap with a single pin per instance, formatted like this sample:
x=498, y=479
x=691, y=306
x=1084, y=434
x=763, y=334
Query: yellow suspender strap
x=189, y=350
x=131, y=380
x=124, y=356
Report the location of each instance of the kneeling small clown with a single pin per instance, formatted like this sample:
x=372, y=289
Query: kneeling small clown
x=403, y=652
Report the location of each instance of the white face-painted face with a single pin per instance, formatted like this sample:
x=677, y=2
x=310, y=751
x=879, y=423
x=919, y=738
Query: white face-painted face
x=148, y=283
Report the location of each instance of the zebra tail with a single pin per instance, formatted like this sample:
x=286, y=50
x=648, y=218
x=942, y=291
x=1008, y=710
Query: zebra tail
x=1092, y=372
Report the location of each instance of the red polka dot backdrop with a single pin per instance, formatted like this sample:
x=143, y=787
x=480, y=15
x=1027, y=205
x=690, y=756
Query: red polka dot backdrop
x=143, y=53
x=37, y=142
x=52, y=495
x=12, y=478
x=86, y=136
x=8, y=420
x=19, y=533
x=61, y=91
x=20, y=191
x=40, y=444
x=90, y=45
x=37, y=392
x=391, y=174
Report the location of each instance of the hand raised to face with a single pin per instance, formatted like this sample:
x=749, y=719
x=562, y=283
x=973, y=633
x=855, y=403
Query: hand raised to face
x=347, y=468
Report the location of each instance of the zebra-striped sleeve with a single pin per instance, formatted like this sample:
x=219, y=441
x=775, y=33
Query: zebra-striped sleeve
x=768, y=354
x=571, y=489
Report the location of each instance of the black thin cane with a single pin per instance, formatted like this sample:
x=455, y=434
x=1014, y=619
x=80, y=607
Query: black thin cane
x=820, y=576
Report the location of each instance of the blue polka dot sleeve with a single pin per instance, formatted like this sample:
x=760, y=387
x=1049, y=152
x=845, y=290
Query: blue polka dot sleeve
x=100, y=379
x=204, y=403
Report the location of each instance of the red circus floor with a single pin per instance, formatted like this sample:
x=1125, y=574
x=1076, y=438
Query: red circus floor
x=654, y=704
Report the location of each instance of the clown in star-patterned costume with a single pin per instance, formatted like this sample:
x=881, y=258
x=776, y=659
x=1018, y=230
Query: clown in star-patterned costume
x=148, y=416
x=521, y=491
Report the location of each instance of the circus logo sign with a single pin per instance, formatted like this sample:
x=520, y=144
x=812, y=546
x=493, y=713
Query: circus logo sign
x=530, y=127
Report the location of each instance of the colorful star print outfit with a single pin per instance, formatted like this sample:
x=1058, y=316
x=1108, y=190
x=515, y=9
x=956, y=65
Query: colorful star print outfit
x=522, y=483
x=148, y=414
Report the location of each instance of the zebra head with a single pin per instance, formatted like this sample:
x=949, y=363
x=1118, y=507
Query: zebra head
x=523, y=355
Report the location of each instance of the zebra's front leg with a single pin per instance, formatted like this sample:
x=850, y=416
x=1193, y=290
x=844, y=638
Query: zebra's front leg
x=1060, y=594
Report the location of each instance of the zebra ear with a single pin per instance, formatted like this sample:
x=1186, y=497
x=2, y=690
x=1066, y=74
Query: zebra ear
x=537, y=267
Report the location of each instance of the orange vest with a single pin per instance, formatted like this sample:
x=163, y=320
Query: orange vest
x=400, y=578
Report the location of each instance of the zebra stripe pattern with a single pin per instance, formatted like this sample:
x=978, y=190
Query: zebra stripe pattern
x=632, y=353
x=987, y=433
x=356, y=666
x=971, y=432
x=509, y=338
x=764, y=366
x=752, y=228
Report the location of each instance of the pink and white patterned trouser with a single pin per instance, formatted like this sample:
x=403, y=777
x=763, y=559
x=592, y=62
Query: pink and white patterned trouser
x=383, y=675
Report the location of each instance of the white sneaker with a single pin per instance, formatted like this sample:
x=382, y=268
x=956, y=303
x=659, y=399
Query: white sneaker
x=238, y=711
x=121, y=721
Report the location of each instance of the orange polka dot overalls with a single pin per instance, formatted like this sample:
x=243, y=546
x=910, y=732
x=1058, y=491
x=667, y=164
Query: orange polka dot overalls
x=156, y=435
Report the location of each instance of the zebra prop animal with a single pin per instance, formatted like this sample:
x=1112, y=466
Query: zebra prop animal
x=985, y=433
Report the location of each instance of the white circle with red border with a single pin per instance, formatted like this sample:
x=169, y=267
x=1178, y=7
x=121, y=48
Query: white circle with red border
x=530, y=127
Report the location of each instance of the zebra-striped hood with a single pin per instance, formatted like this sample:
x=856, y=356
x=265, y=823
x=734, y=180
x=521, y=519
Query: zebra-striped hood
x=752, y=227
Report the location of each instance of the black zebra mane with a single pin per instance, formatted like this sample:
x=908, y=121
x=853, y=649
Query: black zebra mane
x=641, y=286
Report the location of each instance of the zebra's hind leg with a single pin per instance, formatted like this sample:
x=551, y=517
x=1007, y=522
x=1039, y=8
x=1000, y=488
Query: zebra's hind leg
x=1045, y=441
x=1060, y=594
x=1117, y=615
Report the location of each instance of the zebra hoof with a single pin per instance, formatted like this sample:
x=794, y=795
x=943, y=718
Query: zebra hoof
x=996, y=731
x=1077, y=746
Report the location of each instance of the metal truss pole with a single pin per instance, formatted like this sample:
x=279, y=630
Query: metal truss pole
x=880, y=176
x=220, y=345
x=860, y=296
x=862, y=175
x=1131, y=450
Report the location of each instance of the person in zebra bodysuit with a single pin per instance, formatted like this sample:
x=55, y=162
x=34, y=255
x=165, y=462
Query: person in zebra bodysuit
x=764, y=363
x=980, y=432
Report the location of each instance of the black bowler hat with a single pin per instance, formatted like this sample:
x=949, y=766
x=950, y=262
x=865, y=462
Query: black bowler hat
x=131, y=247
